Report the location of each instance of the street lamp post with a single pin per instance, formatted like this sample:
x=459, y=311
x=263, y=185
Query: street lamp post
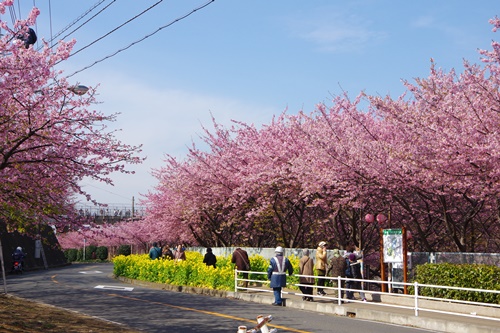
x=79, y=89
x=381, y=218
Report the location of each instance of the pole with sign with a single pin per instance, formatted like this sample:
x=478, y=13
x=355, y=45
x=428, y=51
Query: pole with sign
x=393, y=250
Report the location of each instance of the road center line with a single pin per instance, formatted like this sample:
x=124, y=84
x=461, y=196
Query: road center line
x=253, y=322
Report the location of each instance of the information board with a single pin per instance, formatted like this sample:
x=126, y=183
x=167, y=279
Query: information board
x=393, y=245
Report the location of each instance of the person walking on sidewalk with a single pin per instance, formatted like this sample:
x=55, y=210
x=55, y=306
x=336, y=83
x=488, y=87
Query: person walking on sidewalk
x=337, y=268
x=353, y=271
x=210, y=259
x=306, y=267
x=242, y=262
x=321, y=266
x=276, y=272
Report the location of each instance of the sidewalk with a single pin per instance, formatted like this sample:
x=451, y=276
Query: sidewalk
x=381, y=312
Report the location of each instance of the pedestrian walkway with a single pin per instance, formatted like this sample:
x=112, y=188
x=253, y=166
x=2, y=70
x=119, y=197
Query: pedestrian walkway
x=373, y=310
x=376, y=311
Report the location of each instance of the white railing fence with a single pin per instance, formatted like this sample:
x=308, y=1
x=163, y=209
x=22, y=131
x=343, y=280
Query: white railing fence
x=336, y=292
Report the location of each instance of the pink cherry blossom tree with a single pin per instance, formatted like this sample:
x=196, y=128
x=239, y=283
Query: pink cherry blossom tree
x=428, y=160
x=51, y=138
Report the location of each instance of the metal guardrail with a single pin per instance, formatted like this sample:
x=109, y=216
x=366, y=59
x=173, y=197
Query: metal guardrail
x=110, y=209
x=415, y=301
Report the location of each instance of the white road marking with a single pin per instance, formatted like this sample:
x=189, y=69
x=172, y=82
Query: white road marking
x=91, y=272
x=114, y=288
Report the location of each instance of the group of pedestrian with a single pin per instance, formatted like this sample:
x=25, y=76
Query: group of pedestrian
x=156, y=252
x=341, y=266
x=307, y=266
x=347, y=266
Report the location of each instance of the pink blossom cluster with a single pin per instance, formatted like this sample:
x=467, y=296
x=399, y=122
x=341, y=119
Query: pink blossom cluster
x=429, y=160
x=51, y=138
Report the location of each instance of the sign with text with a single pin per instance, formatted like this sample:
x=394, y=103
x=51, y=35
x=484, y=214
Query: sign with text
x=393, y=245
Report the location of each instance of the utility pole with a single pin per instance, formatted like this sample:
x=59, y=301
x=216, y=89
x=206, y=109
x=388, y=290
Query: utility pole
x=2, y=262
x=133, y=210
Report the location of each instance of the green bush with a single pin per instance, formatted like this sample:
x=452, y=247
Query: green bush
x=71, y=255
x=102, y=253
x=459, y=275
x=90, y=252
x=124, y=250
x=79, y=255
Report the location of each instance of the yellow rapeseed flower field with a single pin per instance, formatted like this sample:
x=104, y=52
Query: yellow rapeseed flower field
x=192, y=271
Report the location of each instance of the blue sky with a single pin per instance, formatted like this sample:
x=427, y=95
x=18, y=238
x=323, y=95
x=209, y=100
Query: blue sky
x=249, y=61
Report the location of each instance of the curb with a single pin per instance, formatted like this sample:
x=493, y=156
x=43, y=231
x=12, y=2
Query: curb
x=366, y=311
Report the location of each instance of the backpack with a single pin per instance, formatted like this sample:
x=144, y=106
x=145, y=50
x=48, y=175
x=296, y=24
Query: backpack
x=348, y=272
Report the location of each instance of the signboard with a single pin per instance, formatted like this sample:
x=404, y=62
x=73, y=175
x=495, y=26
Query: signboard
x=38, y=248
x=393, y=245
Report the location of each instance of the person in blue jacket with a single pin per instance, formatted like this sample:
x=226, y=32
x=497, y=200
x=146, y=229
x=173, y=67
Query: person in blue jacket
x=276, y=272
x=155, y=252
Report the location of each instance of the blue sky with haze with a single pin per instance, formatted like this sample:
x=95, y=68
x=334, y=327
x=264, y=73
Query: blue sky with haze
x=248, y=61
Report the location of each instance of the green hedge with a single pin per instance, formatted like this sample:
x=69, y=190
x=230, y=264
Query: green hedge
x=92, y=253
x=79, y=255
x=71, y=255
x=124, y=250
x=102, y=253
x=459, y=275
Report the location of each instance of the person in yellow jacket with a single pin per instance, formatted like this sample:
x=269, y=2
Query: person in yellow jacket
x=321, y=266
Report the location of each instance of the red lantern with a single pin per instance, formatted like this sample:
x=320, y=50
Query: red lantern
x=408, y=234
x=381, y=218
x=369, y=218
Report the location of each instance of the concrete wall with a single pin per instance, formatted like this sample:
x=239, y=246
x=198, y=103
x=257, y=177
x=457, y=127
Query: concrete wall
x=53, y=254
x=266, y=252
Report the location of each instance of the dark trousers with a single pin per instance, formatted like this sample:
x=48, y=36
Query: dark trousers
x=352, y=285
x=306, y=290
x=244, y=283
x=321, y=282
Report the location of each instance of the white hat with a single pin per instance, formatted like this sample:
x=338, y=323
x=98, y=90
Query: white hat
x=322, y=243
x=279, y=249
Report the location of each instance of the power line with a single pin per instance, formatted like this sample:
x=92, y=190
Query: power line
x=115, y=29
x=12, y=15
x=143, y=38
x=50, y=19
x=102, y=189
x=79, y=18
x=18, y=9
x=36, y=24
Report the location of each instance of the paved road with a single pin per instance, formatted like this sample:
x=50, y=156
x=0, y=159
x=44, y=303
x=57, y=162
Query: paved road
x=91, y=289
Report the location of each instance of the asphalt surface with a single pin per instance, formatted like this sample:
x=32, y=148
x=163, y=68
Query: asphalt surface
x=92, y=290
